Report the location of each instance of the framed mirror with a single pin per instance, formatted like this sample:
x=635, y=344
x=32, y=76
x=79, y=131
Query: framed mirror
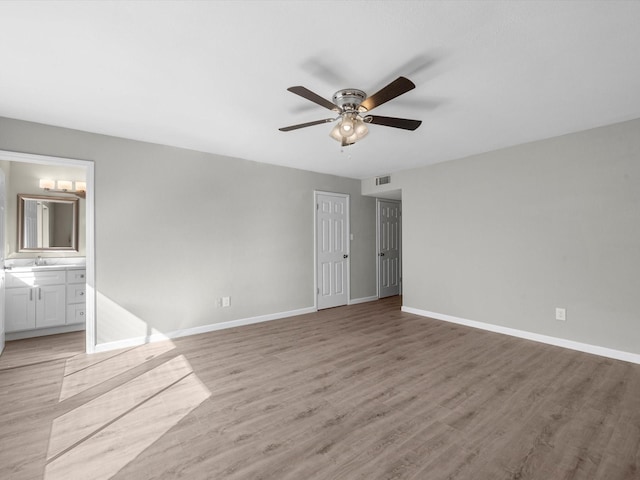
x=47, y=223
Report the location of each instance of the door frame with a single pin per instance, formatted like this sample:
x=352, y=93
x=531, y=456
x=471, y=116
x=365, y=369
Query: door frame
x=347, y=198
x=3, y=242
x=90, y=255
x=378, y=200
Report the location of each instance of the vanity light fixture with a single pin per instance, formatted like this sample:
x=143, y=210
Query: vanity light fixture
x=64, y=186
x=47, y=184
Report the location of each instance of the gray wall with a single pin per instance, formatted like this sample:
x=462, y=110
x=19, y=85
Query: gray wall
x=176, y=229
x=507, y=236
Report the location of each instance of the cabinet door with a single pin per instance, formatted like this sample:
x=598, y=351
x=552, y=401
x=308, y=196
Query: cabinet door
x=50, y=306
x=20, y=309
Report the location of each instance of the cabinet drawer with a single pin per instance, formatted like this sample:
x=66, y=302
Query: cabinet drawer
x=75, y=313
x=76, y=293
x=29, y=279
x=76, y=276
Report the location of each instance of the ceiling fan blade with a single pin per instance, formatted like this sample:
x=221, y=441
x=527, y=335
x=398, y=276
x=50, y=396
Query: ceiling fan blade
x=403, y=123
x=314, y=97
x=308, y=124
x=396, y=88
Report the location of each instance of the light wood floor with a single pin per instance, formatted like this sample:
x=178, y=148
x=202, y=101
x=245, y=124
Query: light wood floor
x=358, y=392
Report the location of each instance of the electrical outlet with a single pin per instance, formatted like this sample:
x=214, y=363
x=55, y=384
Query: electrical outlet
x=226, y=301
x=561, y=314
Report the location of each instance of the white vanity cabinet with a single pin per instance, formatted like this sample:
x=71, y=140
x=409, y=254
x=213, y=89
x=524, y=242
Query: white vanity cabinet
x=35, y=299
x=42, y=299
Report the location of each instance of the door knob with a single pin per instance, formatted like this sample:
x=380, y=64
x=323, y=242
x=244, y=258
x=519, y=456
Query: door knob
x=345, y=256
x=382, y=254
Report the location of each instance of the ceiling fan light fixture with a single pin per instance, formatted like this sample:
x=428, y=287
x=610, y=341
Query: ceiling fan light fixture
x=360, y=129
x=335, y=133
x=349, y=130
x=349, y=103
x=346, y=125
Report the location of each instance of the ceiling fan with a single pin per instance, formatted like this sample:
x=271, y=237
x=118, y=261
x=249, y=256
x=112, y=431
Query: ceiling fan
x=352, y=106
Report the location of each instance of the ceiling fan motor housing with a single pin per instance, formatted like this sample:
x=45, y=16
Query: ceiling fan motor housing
x=349, y=99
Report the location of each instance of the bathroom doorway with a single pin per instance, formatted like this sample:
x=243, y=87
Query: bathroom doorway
x=31, y=168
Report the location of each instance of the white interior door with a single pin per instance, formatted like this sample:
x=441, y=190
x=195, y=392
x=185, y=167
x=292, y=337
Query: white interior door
x=332, y=249
x=389, y=230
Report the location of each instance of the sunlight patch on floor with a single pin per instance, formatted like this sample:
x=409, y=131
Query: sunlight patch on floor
x=99, y=438
x=77, y=381
x=82, y=422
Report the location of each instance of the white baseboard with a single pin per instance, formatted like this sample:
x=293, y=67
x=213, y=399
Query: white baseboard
x=355, y=301
x=157, y=337
x=41, y=332
x=536, y=337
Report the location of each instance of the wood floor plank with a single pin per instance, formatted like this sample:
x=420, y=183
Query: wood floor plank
x=358, y=392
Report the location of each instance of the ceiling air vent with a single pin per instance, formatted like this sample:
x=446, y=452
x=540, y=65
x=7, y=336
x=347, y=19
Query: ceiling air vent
x=383, y=180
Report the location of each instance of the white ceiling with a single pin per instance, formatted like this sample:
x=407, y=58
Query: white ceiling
x=212, y=76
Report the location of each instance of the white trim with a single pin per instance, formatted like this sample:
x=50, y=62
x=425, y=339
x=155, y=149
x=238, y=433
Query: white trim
x=315, y=249
x=157, y=337
x=355, y=301
x=42, y=159
x=40, y=332
x=3, y=242
x=90, y=310
x=90, y=255
x=377, y=253
x=536, y=337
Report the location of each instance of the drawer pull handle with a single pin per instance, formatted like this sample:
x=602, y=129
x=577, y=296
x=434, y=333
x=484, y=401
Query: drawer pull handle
x=81, y=276
x=81, y=294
